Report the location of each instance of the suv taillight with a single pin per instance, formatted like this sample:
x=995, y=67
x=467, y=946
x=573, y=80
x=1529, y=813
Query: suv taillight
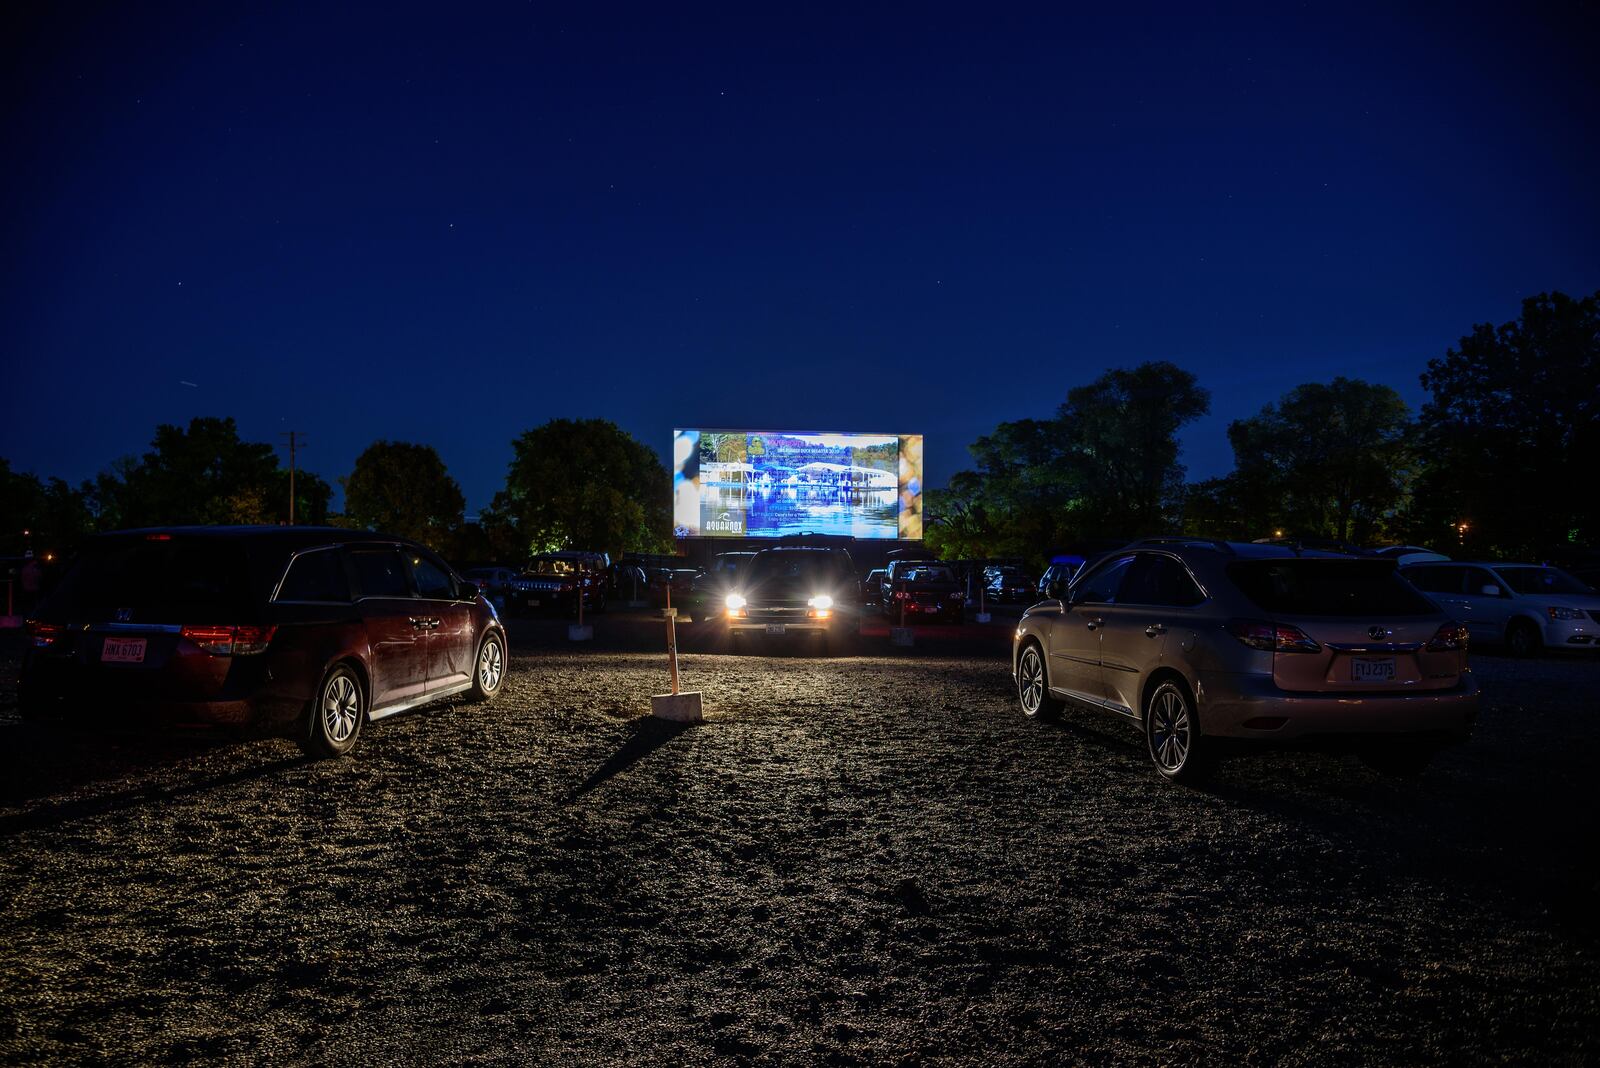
x=43, y=635
x=230, y=641
x=1449, y=638
x=1271, y=637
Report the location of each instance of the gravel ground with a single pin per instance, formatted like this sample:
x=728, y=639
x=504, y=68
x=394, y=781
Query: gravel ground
x=865, y=860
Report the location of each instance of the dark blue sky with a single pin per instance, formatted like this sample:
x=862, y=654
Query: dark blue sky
x=447, y=224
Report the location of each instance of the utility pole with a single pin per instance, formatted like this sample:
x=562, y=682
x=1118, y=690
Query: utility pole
x=294, y=439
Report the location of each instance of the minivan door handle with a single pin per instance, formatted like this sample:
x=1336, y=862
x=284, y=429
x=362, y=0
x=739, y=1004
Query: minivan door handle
x=1094, y=624
x=1154, y=630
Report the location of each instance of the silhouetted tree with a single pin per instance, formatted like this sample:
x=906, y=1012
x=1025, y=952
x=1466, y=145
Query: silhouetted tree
x=401, y=488
x=55, y=515
x=203, y=474
x=586, y=484
x=1326, y=460
x=1512, y=429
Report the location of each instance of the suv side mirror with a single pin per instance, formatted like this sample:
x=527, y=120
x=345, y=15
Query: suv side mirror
x=1489, y=591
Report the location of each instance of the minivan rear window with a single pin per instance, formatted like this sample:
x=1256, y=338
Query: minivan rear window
x=156, y=579
x=1328, y=587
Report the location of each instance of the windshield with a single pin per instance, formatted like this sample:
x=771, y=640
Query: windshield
x=1541, y=580
x=1328, y=588
x=553, y=566
x=782, y=568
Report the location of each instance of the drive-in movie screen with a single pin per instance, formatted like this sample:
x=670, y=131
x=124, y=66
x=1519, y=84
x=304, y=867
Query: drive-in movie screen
x=764, y=483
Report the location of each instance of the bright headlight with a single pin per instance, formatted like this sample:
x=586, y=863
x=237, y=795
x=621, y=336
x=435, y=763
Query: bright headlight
x=733, y=601
x=820, y=601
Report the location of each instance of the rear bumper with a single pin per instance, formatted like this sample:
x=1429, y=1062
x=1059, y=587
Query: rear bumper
x=66, y=693
x=1251, y=706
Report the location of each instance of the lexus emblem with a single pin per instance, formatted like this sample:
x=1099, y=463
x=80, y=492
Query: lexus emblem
x=123, y=614
x=1377, y=634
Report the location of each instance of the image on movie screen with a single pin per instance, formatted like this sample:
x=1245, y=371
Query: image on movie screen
x=751, y=484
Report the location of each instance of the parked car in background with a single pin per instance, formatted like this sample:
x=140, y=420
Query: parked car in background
x=557, y=581
x=796, y=591
x=708, y=588
x=922, y=589
x=1197, y=641
x=493, y=582
x=307, y=631
x=1409, y=554
x=1009, y=584
x=680, y=580
x=1525, y=607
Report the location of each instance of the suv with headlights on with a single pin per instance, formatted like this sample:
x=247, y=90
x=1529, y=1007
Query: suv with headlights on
x=786, y=592
x=1197, y=641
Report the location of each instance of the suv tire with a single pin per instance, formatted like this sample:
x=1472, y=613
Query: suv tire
x=1172, y=734
x=1033, y=685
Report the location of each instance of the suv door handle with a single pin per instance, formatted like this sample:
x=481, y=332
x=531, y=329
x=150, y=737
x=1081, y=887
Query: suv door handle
x=1154, y=630
x=1094, y=624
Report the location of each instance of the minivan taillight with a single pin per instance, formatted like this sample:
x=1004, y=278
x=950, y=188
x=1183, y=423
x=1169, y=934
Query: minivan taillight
x=230, y=641
x=43, y=635
x=1449, y=638
x=1271, y=637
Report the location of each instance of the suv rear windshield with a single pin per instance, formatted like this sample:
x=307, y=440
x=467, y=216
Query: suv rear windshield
x=163, y=579
x=1328, y=588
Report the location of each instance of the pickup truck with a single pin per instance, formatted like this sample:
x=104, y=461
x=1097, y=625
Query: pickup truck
x=925, y=589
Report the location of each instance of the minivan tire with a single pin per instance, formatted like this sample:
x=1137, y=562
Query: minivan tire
x=1172, y=735
x=488, y=667
x=1522, y=638
x=336, y=714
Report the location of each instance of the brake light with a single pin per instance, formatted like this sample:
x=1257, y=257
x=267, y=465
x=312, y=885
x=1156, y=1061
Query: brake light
x=158, y=537
x=1271, y=637
x=1448, y=638
x=221, y=640
x=43, y=635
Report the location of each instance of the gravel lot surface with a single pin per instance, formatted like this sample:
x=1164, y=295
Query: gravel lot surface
x=864, y=860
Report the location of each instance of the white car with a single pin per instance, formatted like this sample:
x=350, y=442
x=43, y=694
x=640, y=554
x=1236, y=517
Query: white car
x=1524, y=607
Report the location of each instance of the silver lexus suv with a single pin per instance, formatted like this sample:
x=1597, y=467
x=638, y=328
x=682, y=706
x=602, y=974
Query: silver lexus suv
x=1198, y=641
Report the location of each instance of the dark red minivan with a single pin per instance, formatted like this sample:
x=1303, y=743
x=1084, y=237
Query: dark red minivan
x=308, y=631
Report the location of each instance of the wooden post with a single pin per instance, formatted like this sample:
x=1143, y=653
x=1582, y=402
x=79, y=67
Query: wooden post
x=682, y=707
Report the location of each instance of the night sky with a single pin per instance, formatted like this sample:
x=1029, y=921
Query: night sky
x=447, y=224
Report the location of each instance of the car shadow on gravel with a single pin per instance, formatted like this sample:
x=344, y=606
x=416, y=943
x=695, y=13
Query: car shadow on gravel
x=43, y=762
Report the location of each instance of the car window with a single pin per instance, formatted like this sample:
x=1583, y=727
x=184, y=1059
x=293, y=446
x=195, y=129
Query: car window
x=432, y=579
x=1154, y=579
x=380, y=573
x=318, y=575
x=1541, y=580
x=159, y=576
x=1434, y=579
x=1328, y=587
x=1100, y=586
x=1475, y=579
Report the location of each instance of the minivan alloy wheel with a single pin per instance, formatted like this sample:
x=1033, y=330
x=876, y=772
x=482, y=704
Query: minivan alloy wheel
x=491, y=666
x=341, y=708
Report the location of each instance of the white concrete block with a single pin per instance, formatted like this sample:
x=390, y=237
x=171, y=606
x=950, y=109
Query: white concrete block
x=576, y=633
x=981, y=617
x=679, y=707
x=902, y=636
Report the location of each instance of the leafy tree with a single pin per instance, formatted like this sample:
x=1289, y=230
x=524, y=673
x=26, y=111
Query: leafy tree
x=1328, y=460
x=203, y=474
x=1511, y=429
x=55, y=515
x=586, y=484
x=1121, y=438
x=401, y=488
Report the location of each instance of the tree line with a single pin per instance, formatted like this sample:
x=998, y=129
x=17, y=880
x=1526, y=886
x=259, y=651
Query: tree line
x=1495, y=463
x=1497, y=459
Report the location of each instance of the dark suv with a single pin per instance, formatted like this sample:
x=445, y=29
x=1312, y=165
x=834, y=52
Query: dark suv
x=300, y=630
x=788, y=591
